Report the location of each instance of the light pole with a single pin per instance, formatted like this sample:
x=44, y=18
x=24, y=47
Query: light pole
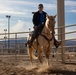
x=8, y=16
x=5, y=36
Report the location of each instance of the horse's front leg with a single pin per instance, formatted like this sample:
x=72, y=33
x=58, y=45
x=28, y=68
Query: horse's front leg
x=40, y=56
x=48, y=56
x=48, y=51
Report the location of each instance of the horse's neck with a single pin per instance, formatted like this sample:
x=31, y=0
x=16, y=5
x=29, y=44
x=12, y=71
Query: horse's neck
x=46, y=30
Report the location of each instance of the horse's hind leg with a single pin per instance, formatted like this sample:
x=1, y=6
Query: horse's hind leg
x=30, y=52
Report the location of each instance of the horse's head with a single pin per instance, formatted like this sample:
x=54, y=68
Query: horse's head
x=50, y=21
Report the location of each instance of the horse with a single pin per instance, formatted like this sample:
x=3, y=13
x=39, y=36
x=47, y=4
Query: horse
x=44, y=42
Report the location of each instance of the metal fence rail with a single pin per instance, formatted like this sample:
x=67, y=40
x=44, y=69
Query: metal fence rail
x=70, y=55
x=18, y=46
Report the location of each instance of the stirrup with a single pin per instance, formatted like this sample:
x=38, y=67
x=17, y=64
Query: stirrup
x=25, y=44
x=58, y=44
x=29, y=43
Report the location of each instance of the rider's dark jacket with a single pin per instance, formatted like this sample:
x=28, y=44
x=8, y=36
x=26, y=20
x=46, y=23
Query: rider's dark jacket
x=36, y=18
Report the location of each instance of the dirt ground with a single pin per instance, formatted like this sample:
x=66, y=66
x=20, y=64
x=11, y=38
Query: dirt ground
x=21, y=66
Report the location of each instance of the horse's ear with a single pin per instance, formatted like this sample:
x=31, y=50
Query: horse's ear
x=55, y=16
x=47, y=16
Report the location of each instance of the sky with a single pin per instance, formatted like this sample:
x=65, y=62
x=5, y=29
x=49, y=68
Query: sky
x=21, y=13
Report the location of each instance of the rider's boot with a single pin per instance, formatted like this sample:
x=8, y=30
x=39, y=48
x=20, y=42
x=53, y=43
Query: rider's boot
x=57, y=43
x=29, y=42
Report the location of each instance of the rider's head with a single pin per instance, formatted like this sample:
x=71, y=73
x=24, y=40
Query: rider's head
x=40, y=7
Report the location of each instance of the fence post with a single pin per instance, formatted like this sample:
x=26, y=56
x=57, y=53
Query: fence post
x=62, y=50
x=15, y=46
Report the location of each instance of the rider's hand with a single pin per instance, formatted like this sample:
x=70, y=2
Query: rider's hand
x=42, y=23
x=35, y=27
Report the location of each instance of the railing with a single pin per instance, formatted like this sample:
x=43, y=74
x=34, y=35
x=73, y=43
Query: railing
x=66, y=54
x=19, y=47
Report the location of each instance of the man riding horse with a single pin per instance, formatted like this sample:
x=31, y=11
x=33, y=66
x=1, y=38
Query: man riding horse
x=39, y=19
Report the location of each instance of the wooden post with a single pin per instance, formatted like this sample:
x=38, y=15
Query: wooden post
x=61, y=22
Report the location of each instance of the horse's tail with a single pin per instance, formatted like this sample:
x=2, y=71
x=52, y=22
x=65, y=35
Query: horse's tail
x=31, y=49
x=31, y=52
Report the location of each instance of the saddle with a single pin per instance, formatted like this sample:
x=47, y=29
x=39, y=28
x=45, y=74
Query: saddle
x=35, y=33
